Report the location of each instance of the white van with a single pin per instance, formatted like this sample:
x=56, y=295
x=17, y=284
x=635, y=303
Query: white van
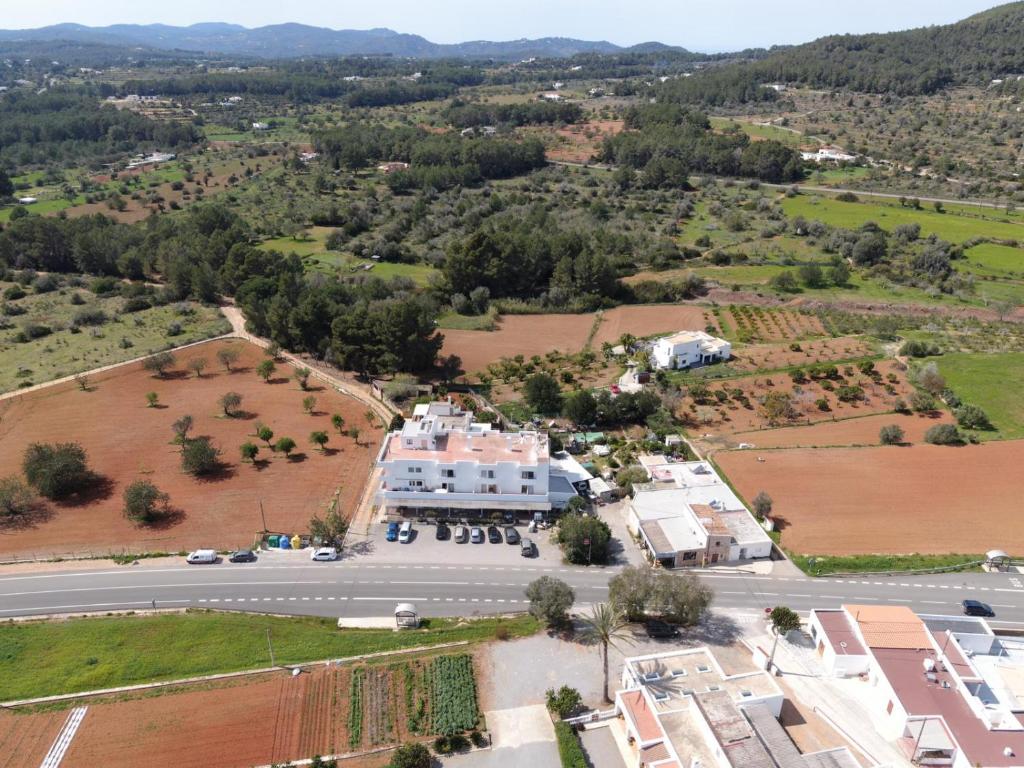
x=202, y=557
x=405, y=533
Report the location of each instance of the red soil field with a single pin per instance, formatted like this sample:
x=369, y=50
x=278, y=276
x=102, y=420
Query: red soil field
x=773, y=324
x=924, y=499
x=732, y=418
x=26, y=738
x=579, y=143
x=857, y=431
x=761, y=357
x=530, y=335
x=125, y=440
x=649, y=319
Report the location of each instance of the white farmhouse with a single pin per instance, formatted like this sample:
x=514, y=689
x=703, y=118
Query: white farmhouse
x=689, y=348
x=443, y=461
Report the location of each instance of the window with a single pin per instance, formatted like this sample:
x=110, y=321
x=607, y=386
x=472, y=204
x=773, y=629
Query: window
x=746, y=694
x=492, y=489
x=678, y=673
x=526, y=490
x=703, y=668
x=689, y=555
x=527, y=475
x=651, y=676
x=450, y=487
x=661, y=695
x=488, y=473
x=416, y=470
x=416, y=483
x=447, y=473
x=712, y=688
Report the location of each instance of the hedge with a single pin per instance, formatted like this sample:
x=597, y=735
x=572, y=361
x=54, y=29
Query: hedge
x=570, y=751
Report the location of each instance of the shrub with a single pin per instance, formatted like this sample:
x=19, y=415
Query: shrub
x=56, y=470
x=972, y=417
x=410, y=756
x=93, y=316
x=584, y=540
x=144, y=502
x=159, y=363
x=15, y=497
x=563, y=702
x=200, y=457
x=570, y=750
x=922, y=402
x=135, y=304
x=943, y=434
x=762, y=504
x=891, y=434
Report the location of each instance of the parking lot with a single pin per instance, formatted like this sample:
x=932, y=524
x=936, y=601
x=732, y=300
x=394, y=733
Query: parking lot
x=424, y=547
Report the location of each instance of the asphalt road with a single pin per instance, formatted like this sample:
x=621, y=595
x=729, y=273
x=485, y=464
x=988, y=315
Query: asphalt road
x=354, y=589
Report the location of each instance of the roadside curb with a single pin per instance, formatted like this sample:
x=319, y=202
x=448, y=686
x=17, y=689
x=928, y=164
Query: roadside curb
x=227, y=675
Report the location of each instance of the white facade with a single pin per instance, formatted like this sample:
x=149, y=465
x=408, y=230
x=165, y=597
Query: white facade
x=689, y=348
x=442, y=460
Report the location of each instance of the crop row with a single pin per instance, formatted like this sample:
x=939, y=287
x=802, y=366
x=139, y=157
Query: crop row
x=355, y=713
x=453, y=694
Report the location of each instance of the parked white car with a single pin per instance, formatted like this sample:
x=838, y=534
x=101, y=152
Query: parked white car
x=202, y=557
x=405, y=533
x=324, y=554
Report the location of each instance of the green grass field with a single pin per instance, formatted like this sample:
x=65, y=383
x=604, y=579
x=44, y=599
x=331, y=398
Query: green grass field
x=52, y=657
x=992, y=259
x=456, y=322
x=122, y=337
x=955, y=225
x=826, y=565
x=756, y=131
x=991, y=382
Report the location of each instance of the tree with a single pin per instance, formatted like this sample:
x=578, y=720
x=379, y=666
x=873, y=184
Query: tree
x=302, y=377
x=144, y=502
x=249, y=451
x=266, y=369
x=630, y=590
x=584, y=540
x=606, y=625
x=812, y=275
x=338, y=422
x=785, y=282
x=200, y=457
x=891, y=434
x=82, y=381
x=580, y=407
x=680, y=597
x=56, y=470
x=371, y=417
x=285, y=445
x=411, y=756
x=197, y=365
x=778, y=407
x=15, y=497
x=783, y=620
x=228, y=356
x=308, y=403
x=922, y=402
x=265, y=433
x=330, y=530
x=159, y=363
x=550, y=600
x=762, y=504
x=839, y=274
x=152, y=399
x=943, y=434
x=930, y=380
x=319, y=439
x=353, y=432
x=543, y=394
x=229, y=403
x=563, y=702
x=181, y=427
x=972, y=417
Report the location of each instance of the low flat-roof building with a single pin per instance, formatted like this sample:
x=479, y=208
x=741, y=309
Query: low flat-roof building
x=689, y=348
x=688, y=517
x=681, y=709
x=953, y=690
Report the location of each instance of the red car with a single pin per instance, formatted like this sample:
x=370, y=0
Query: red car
x=615, y=389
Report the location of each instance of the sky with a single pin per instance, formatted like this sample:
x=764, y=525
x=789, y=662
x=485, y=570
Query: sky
x=700, y=25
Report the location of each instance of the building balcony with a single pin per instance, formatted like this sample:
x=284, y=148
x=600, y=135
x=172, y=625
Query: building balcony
x=440, y=498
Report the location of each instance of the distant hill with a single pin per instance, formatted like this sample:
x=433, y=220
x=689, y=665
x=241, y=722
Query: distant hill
x=975, y=50
x=293, y=40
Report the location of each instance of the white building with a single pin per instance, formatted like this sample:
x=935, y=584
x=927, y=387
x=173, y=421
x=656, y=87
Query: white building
x=443, y=461
x=688, y=348
x=681, y=710
x=946, y=689
x=829, y=155
x=261, y=126
x=689, y=518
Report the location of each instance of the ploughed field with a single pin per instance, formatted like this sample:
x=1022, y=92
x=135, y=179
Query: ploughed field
x=126, y=440
x=887, y=499
x=530, y=335
x=848, y=432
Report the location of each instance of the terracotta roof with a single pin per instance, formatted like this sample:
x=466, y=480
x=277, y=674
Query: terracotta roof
x=654, y=753
x=643, y=717
x=837, y=629
x=890, y=626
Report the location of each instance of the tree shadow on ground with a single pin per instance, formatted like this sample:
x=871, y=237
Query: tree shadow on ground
x=98, y=488
x=37, y=515
x=715, y=629
x=169, y=518
x=173, y=375
x=297, y=458
x=358, y=549
x=243, y=415
x=331, y=451
x=260, y=464
x=221, y=472
x=278, y=380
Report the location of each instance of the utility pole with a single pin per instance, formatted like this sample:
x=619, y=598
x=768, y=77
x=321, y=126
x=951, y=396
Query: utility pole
x=270, y=645
x=262, y=515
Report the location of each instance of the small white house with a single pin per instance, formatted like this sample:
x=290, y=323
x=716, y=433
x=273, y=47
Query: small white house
x=689, y=348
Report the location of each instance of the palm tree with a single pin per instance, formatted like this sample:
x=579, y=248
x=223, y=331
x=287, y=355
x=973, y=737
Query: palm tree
x=606, y=625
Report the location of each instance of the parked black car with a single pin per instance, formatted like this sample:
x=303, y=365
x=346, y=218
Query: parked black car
x=443, y=532
x=243, y=556
x=511, y=535
x=977, y=608
x=493, y=534
x=657, y=628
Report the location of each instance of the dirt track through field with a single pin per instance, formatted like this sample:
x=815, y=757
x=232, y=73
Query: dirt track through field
x=889, y=500
x=126, y=440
